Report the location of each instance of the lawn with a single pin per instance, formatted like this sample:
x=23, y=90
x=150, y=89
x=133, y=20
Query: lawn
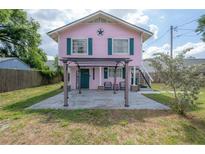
x=22, y=126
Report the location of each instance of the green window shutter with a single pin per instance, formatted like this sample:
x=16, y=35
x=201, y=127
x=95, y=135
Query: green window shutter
x=105, y=72
x=90, y=46
x=123, y=72
x=68, y=46
x=109, y=46
x=131, y=46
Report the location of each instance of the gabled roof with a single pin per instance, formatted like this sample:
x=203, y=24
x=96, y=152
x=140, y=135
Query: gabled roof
x=6, y=59
x=54, y=33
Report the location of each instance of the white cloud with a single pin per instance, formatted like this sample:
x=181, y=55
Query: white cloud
x=162, y=17
x=137, y=17
x=154, y=29
x=51, y=19
x=50, y=57
x=156, y=49
x=77, y=14
x=198, y=50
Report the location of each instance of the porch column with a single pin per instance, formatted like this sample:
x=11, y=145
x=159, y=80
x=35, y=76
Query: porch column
x=65, y=87
x=134, y=75
x=115, y=71
x=79, y=80
x=126, y=84
x=100, y=76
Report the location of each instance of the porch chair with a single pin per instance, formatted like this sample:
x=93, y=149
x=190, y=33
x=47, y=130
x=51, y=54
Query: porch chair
x=107, y=85
x=122, y=85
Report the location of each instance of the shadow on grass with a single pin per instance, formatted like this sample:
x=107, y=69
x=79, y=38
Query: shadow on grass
x=167, y=100
x=30, y=101
x=102, y=117
x=194, y=128
x=194, y=131
x=164, y=99
x=98, y=117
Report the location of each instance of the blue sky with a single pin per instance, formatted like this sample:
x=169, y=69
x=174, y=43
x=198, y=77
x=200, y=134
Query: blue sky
x=184, y=34
x=157, y=21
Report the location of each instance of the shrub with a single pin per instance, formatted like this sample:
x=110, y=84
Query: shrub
x=185, y=81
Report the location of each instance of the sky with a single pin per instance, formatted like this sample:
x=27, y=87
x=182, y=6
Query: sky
x=157, y=21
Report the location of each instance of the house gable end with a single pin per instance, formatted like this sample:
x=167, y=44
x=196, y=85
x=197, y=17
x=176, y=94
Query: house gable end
x=100, y=17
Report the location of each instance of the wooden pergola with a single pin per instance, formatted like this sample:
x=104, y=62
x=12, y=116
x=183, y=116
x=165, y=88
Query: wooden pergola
x=97, y=62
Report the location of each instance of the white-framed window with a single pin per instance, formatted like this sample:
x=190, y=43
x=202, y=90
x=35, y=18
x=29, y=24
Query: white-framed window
x=79, y=46
x=119, y=72
x=120, y=46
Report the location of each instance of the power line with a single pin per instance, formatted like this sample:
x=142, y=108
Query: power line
x=186, y=29
x=186, y=23
x=160, y=37
x=182, y=34
x=186, y=36
x=175, y=29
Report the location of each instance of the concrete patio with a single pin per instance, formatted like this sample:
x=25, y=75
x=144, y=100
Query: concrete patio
x=94, y=99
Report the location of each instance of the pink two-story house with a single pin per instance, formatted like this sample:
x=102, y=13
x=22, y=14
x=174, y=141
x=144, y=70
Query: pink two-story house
x=97, y=49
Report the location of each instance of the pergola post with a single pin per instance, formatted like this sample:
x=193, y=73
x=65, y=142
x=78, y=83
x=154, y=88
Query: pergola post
x=79, y=80
x=139, y=80
x=134, y=75
x=126, y=84
x=115, y=86
x=65, y=87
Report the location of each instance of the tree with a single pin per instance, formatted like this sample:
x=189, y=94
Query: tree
x=58, y=68
x=201, y=27
x=19, y=37
x=184, y=80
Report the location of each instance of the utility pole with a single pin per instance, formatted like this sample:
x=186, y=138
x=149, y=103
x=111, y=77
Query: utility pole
x=171, y=41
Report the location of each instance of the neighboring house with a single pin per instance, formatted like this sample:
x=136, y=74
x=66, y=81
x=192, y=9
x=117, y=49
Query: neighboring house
x=13, y=63
x=147, y=65
x=94, y=47
x=188, y=62
x=50, y=64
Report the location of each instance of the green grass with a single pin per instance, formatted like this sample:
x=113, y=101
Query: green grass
x=22, y=126
x=195, y=126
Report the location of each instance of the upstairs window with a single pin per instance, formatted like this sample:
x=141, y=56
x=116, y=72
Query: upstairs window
x=79, y=46
x=120, y=46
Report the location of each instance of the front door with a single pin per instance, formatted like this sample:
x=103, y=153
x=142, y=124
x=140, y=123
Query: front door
x=84, y=78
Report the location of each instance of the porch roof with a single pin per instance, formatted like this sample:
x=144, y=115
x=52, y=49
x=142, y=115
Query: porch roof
x=88, y=61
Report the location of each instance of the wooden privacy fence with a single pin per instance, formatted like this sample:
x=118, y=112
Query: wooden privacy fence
x=11, y=79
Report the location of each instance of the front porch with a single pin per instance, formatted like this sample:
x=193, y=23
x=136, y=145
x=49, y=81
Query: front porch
x=98, y=62
x=97, y=99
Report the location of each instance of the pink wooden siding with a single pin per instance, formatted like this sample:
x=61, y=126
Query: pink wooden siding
x=100, y=47
x=100, y=42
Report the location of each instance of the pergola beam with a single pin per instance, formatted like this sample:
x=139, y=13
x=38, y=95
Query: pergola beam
x=87, y=59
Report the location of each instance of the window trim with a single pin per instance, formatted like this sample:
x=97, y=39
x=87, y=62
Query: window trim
x=128, y=47
x=72, y=46
x=121, y=74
